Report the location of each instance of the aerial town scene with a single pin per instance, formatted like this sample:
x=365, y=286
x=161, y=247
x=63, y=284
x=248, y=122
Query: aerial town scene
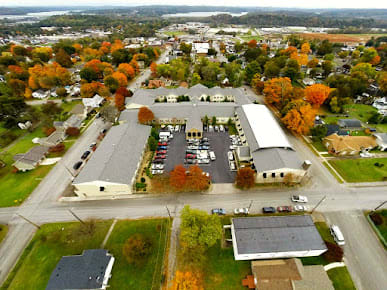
x=192, y=145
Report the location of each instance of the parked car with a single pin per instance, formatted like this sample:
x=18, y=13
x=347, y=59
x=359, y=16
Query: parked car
x=161, y=152
x=300, y=208
x=162, y=144
x=193, y=147
x=241, y=210
x=77, y=165
x=190, y=151
x=85, y=154
x=92, y=145
x=221, y=128
x=299, y=198
x=158, y=161
x=284, y=208
x=160, y=156
x=161, y=148
x=230, y=155
x=218, y=211
x=212, y=155
x=190, y=156
x=205, y=139
x=191, y=161
x=204, y=147
x=210, y=128
x=337, y=235
x=216, y=128
x=268, y=209
x=177, y=128
x=232, y=166
x=204, y=161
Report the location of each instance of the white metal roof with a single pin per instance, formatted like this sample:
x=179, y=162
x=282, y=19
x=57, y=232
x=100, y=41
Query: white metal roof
x=265, y=128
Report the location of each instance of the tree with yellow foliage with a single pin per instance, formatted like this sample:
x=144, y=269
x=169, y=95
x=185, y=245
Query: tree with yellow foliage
x=305, y=48
x=300, y=119
x=277, y=90
x=185, y=281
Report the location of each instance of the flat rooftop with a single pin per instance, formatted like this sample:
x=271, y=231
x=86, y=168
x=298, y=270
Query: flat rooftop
x=276, y=234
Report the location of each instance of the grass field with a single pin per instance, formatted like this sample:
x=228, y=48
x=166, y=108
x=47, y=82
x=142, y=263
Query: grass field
x=341, y=279
x=361, y=170
x=15, y=187
x=341, y=37
x=128, y=276
x=247, y=38
x=319, y=146
x=3, y=232
x=47, y=247
x=174, y=33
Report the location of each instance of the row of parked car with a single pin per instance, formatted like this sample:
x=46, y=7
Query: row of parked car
x=160, y=156
x=198, y=152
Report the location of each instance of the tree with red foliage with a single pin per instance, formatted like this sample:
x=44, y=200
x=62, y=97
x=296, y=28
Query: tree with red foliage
x=252, y=43
x=196, y=179
x=124, y=92
x=48, y=131
x=153, y=68
x=119, y=101
x=334, y=254
x=145, y=115
x=178, y=177
x=72, y=131
x=57, y=148
x=245, y=178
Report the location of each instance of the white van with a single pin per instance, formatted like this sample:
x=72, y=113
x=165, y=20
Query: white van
x=212, y=155
x=337, y=235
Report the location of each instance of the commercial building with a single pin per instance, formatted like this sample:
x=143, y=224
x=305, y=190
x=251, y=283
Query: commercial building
x=273, y=237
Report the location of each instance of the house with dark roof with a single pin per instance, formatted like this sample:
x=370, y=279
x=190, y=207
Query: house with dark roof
x=272, y=237
x=90, y=270
x=351, y=124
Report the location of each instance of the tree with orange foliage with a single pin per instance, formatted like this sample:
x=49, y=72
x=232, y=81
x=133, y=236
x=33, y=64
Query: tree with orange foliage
x=301, y=58
x=119, y=101
x=90, y=53
x=88, y=90
x=153, y=68
x=145, y=115
x=98, y=66
x=300, y=119
x=48, y=76
x=277, y=90
x=123, y=91
x=117, y=44
x=382, y=81
x=121, y=78
x=196, y=179
x=375, y=60
x=316, y=94
x=252, y=43
x=289, y=50
x=245, y=178
x=105, y=47
x=78, y=47
x=185, y=281
x=305, y=48
x=126, y=69
x=135, y=65
x=178, y=177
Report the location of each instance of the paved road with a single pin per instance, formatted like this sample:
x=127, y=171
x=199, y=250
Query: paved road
x=365, y=257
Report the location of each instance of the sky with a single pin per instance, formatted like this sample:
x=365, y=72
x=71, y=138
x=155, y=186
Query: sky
x=261, y=3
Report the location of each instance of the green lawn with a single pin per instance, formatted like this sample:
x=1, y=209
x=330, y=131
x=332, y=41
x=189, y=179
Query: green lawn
x=128, y=276
x=361, y=170
x=3, y=232
x=247, y=38
x=15, y=187
x=174, y=33
x=383, y=227
x=341, y=279
x=318, y=145
x=47, y=247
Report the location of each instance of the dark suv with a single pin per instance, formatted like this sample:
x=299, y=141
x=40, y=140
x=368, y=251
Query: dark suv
x=268, y=209
x=77, y=165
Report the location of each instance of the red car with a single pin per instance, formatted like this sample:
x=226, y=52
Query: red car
x=284, y=208
x=162, y=143
x=190, y=156
x=160, y=157
x=161, y=152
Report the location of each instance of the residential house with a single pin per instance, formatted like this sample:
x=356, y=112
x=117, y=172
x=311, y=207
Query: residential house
x=40, y=94
x=348, y=145
x=80, y=111
x=289, y=274
x=155, y=84
x=93, y=102
x=333, y=128
x=381, y=140
x=31, y=159
x=73, y=121
x=56, y=137
x=381, y=105
x=90, y=270
x=350, y=124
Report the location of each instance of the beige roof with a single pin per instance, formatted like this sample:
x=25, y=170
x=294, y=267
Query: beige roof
x=314, y=278
x=354, y=143
x=277, y=269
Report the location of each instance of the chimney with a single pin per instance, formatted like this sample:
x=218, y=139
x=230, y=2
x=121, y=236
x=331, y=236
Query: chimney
x=306, y=164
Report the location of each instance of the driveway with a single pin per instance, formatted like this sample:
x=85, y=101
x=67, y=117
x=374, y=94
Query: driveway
x=364, y=254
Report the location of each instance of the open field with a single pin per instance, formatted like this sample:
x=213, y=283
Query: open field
x=361, y=170
x=174, y=33
x=47, y=247
x=340, y=37
x=341, y=279
x=149, y=274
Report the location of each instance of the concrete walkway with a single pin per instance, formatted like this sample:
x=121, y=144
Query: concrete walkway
x=333, y=265
x=172, y=256
x=108, y=233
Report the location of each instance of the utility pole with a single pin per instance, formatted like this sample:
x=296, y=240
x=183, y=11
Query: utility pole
x=169, y=213
x=379, y=206
x=77, y=217
x=26, y=219
x=68, y=170
x=251, y=203
x=317, y=205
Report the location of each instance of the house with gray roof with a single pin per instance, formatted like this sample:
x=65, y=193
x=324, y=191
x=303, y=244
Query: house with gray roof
x=112, y=169
x=90, y=270
x=273, y=237
x=351, y=124
x=31, y=159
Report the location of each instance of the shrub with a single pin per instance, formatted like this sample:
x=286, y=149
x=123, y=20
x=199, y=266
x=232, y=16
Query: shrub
x=48, y=131
x=57, y=148
x=140, y=185
x=136, y=249
x=334, y=254
x=72, y=131
x=142, y=179
x=376, y=219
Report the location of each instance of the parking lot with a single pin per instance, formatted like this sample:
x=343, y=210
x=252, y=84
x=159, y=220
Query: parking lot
x=218, y=169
